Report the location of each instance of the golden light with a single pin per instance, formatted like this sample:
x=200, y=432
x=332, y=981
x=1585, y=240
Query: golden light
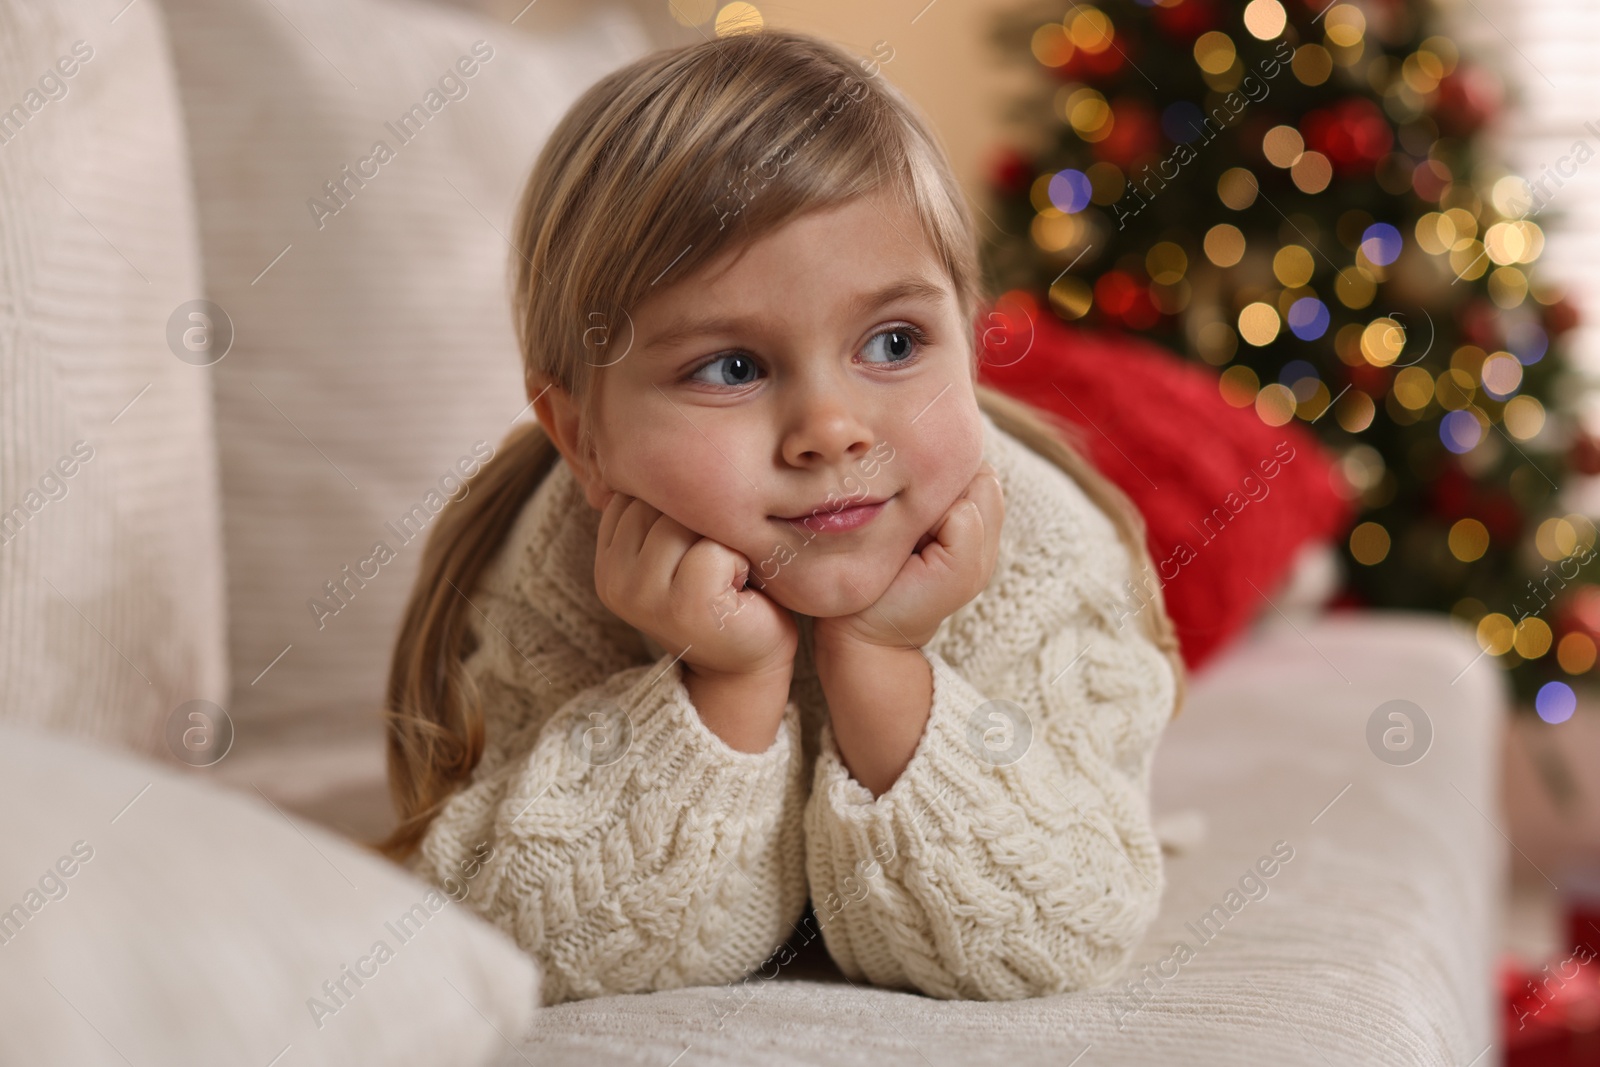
x=1312, y=172
x=1508, y=287
x=1430, y=233
x=1469, y=540
x=1091, y=30
x=1505, y=242
x=1051, y=45
x=1166, y=263
x=1532, y=637
x=1224, y=244
x=1355, y=287
x=1413, y=388
x=1443, y=49
x=1238, y=386
x=1237, y=188
x=1454, y=389
x=1468, y=260
x=1275, y=404
x=1382, y=341
x=1512, y=196
x=1556, y=539
x=1215, y=52
x=1523, y=417
x=1354, y=411
x=1293, y=266
x=1369, y=543
x=1345, y=25
x=1576, y=653
x=1502, y=373
x=1071, y=297
x=1265, y=19
x=1053, y=230
x=1422, y=72
x=1496, y=633
x=1106, y=182
x=1089, y=114
x=1312, y=64
x=1259, y=324
x=738, y=18
x=1282, y=146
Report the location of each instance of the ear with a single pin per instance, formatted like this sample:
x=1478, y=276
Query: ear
x=559, y=415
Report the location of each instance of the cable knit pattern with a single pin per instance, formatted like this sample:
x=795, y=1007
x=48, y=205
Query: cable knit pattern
x=976, y=874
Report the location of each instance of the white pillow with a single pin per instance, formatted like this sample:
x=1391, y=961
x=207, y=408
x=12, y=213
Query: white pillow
x=111, y=578
x=147, y=917
x=375, y=358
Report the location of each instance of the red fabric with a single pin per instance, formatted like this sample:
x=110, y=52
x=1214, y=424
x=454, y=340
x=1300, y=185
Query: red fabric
x=1227, y=499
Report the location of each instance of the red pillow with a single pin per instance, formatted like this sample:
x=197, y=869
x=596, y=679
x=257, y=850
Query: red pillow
x=1227, y=499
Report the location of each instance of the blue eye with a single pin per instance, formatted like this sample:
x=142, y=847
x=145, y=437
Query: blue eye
x=904, y=344
x=743, y=369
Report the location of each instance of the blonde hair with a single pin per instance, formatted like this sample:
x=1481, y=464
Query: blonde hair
x=658, y=168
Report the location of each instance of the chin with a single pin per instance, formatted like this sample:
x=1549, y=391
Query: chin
x=832, y=589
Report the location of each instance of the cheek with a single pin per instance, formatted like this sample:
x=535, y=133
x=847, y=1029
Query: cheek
x=941, y=456
x=686, y=477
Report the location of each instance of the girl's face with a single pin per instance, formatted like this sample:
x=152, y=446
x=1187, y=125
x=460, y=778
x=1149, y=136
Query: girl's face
x=823, y=365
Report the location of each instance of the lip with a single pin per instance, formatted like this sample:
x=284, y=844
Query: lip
x=822, y=520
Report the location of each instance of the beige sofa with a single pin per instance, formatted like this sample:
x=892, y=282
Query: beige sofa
x=182, y=500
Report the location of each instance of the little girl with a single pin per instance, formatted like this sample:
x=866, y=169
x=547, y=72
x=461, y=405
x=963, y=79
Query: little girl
x=775, y=609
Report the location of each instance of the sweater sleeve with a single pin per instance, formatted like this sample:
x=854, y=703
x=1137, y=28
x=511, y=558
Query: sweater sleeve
x=1014, y=856
x=629, y=848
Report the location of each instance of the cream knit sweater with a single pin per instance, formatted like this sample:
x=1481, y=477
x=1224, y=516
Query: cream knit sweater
x=633, y=850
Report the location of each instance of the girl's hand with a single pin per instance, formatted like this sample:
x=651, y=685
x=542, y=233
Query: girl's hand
x=951, y=565
x=687, y=592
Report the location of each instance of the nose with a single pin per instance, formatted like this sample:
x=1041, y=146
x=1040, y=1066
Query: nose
x=825, y=429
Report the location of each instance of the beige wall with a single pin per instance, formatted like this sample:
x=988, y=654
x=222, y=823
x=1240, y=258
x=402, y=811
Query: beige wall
x=943, y=60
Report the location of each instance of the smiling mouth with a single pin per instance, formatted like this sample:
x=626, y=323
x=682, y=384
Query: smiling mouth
x=837, y=520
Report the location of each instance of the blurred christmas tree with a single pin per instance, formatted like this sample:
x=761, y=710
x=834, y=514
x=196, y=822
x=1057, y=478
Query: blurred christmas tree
x=1292, y=193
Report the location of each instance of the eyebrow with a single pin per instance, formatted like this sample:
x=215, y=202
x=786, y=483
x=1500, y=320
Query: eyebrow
x=914, y=288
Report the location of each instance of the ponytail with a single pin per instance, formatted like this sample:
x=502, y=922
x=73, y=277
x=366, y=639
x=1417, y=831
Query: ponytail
x=433, y=710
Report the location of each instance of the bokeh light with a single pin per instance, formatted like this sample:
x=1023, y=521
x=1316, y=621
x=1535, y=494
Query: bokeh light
x=1071, y=191
x=1381, y=243
x=1556, y=702
x=1308, y=318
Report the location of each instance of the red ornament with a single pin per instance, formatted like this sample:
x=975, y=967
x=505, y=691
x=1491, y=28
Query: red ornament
x=1451, y=495
x=1135, y=134
x=1354, y=134
x=1584, y=455
x=1094, y=66
x=1374, y=381
x=1579, y=612
x=1560, y=317
x=1010, y=171
x=1187, y=20
x=1502, y=518
x=1480, y=325
x=1468, y=98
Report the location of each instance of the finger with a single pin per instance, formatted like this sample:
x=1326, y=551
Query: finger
x=958, y=535
x=633, y=526
x=987, y=493
x=611, y=517
x=665, y=544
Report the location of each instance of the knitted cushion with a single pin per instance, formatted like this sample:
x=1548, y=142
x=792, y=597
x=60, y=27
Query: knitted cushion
x=1228, y=500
